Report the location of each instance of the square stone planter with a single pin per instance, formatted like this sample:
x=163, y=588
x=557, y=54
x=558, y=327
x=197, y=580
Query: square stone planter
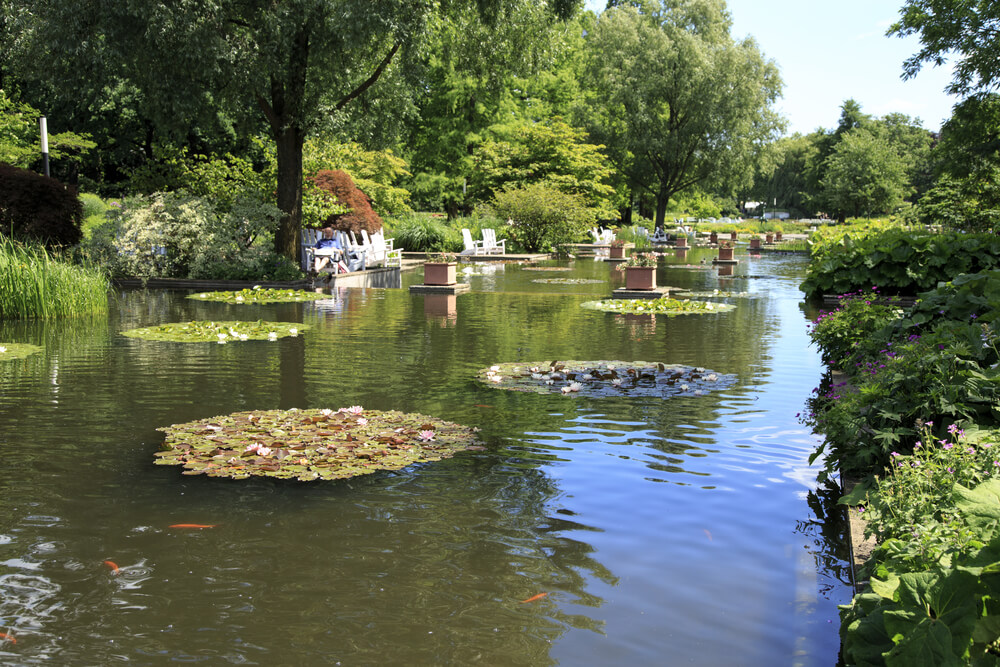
x=681, y=241
x=725, y=254
x=617, y=252
x=439, y=273
x=640, y=277
x=755, y=244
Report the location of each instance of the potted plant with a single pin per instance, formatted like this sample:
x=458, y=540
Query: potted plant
x=713, y=238
x=617, y=250
x=726, y=251
x=732, y=235
x=755, y=242
x=777, y=235
x=640, y=270
x=769, y=237
x=439, y=269
x=681, y=242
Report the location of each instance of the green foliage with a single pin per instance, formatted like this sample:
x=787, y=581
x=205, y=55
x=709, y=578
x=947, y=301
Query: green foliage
x=376, y=173
x=258, y=294
x=418, y=233
x=550, y=153
x=95, y=213
x=665, y=305
x=20, y=141
x=35, y=285
x=542, y=217
x=12, y=351
x=700, y=116
x=856, y=319
x=897, y=260
x=863, y=174
x=183, y=236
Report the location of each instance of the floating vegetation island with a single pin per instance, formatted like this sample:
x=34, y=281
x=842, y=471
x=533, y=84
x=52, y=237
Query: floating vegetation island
x=307, y=445
x=604, y=378
x=201, y=331
x=11, y=351
x=547, y=268
x=259, y=295
x=665, y=305
x=566, y=281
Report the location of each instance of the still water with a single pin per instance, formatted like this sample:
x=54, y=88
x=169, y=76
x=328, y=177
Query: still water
x=686, y=531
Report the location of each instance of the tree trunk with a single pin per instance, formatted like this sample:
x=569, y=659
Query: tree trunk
x=662, y=198
x=289, y=141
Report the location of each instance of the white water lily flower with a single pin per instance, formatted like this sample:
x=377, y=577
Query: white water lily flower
x=2, y=350
x=221, y=336
x=617, y=382
x=700, y=369
x=244, y=337
x=494, y=368
x=536, y=376
x=684, y=387
x=588, y=376
x=549, y=381
x=697, y=392
x=293, y=331
x=256, y=286
x=534, y=369
x=272, y=335
x=611, y=367
x=496, y=378
x=566, y=390
x=239, y=298
x=712, y=378
x=326, y=412
x=574, y=386
x=362, y=421
x=203, y=295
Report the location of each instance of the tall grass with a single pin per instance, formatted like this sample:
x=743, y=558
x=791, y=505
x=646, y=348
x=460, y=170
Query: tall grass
x=35, y=285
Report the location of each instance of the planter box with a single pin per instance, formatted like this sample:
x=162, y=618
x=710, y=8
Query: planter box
x=725, y=253
x=681, y=242
x=713, y=237
x=617, y=252
x=754, y=244
x=777, y=236
x=733, y=235
x=640, y=277
x=769, y=238
x=439, y=273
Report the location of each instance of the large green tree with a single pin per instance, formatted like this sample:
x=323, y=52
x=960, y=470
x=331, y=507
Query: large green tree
x=965, y=29
x=864, y=174
x=677, y=101
x=291, y=64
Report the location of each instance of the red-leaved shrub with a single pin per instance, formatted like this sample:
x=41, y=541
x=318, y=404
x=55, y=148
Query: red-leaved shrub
x=361, y=216
x=37, y=207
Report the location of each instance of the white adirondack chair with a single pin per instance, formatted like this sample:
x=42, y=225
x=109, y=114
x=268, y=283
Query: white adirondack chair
x=472, y=247
x=490, y=244
x=308, y=246
x=382, y=253
x=354, y=255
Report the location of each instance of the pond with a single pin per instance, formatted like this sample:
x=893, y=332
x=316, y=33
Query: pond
x=684, y=530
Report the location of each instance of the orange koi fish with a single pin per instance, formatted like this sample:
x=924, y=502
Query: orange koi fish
x=112, y=565
x=194, y=525
x=10, y=638
x=534, y=597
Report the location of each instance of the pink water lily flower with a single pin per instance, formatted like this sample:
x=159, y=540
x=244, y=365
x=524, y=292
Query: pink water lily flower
x=353, y=410
x=426, y=436
x=362, y=421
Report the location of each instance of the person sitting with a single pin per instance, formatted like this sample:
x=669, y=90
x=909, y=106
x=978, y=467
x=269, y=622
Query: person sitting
x=327, y=249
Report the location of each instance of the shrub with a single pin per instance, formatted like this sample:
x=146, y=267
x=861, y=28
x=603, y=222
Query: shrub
x=421, y=233
x=541, y=217
x=181, y=236
x=899, y=261
x=37, y=207
x=360, y=216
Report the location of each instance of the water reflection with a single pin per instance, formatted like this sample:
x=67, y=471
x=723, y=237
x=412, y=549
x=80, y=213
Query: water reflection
x=690, y=526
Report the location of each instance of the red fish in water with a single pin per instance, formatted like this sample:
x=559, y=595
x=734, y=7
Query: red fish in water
x=534, y=597
x=112, y=565
x=10, y=638
x=194, y=525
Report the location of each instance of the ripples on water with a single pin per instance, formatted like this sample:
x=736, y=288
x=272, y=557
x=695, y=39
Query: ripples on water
x=680, y=531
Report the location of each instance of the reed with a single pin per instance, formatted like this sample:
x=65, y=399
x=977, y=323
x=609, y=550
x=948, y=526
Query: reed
x=35, y=285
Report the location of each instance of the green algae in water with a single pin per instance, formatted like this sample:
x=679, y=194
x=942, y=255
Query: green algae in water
x=259, y=295
x=602, y=379
x=11, y=351
x=202, y=331
x=309, y=445
x=663, y=306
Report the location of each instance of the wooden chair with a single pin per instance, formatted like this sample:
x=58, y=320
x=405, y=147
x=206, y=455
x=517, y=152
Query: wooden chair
x=490, y=244
x=472, y=247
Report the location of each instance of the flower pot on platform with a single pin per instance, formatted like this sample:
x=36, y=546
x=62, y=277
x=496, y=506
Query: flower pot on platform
x=777, y=236
x=769, y=238
x=439, y=273
x=733, y=235
x=640, y=277
x=682, y=242
x=725, y=254
x=713, y=238
x=617, y=252
x=755, y=244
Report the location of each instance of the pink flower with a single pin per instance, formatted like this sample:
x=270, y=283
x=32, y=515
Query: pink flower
x=353, y=410
x=362, y=421
x=426, y=436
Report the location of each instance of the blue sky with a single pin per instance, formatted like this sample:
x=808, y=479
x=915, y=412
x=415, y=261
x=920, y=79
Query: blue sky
x=831, y=51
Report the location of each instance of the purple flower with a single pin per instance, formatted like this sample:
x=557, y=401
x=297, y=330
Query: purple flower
x=951, y=471
x=946, y=444
x=896, y=454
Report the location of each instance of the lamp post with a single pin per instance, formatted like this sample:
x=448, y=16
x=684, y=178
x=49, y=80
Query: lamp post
x=45, y=144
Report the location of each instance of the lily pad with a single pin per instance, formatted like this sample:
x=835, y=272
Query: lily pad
x=566, y=281
x=260, y=295
x=665, y=305
x=10, y=351
x=308, y=445
x=599, y=379
x=547, y=268
x=200, y=331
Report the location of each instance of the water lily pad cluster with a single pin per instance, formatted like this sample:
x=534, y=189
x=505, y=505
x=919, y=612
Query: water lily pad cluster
x=547, y=268
x=201, y=331
x=665, y=305
x=10, y=351
x=260, y=295
x=308, y=445
x=566, y=281
x=604, y=378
